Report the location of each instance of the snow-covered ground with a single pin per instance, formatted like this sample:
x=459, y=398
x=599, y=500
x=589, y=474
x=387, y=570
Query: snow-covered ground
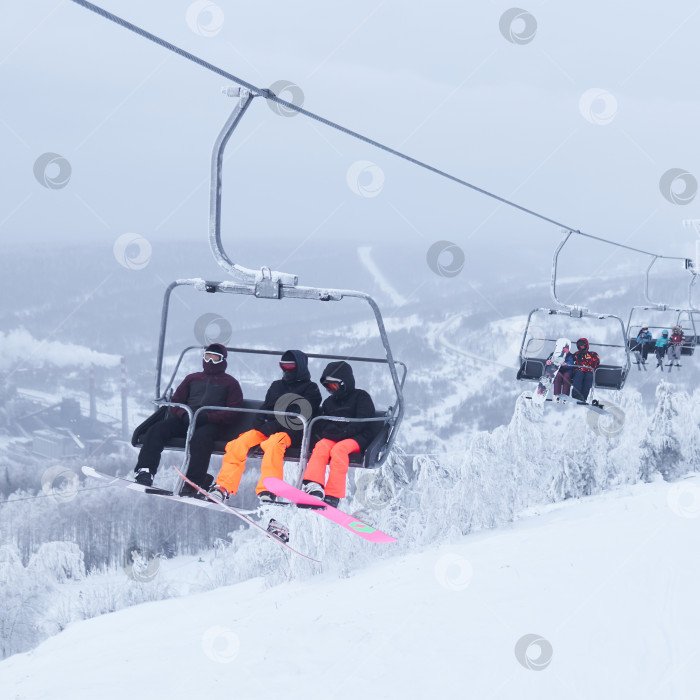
x=603, y=590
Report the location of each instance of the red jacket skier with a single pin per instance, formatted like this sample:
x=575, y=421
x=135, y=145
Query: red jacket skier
x=585, y=363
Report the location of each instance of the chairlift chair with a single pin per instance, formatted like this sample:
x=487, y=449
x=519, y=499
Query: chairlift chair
x=538, y=341
x=656, y=311
x=268, y=284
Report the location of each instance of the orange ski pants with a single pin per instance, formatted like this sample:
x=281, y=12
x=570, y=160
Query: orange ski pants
x=233, y=465
x=335, y=455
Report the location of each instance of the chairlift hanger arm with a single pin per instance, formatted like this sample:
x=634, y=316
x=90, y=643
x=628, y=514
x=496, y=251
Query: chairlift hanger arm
x=693, y=280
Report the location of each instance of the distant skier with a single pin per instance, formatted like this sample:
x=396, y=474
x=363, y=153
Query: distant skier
x=675, y=343
x=644, y=343
x=660, y=349
x=585, y=363
x=562, y=379
x=295, y=393
x=338, y=440
x=210, y=387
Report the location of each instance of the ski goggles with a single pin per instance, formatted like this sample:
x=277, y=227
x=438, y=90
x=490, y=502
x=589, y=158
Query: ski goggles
x=214, y=357
x=332, y=384
x=288, y=366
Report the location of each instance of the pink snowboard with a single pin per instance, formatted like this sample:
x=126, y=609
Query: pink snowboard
x=367, y=532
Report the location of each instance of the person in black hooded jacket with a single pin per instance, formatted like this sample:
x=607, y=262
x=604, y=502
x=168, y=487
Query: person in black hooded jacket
x=338, y=439
x=210, y=387
x=294, y=393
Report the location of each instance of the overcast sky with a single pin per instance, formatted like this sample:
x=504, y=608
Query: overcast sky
x=576, y=111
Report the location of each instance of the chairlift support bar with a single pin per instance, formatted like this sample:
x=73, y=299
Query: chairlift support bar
x=655, y=304
x=277, y=353
x=574, y=310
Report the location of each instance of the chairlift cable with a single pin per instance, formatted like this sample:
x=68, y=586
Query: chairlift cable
x=269, y=95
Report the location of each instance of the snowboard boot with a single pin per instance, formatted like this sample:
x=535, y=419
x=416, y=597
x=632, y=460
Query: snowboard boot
x=276, y=529
x=144, y=477
x=189, y=491
x=218, y=492
x=313, y=489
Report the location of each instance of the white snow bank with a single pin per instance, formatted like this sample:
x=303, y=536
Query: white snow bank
x=20, y=347
x=607, y=583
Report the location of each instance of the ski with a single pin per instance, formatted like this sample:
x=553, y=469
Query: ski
x=245, y=518
x=572, y=402
x=151, y=490
x=367, y=532
x=208, y=503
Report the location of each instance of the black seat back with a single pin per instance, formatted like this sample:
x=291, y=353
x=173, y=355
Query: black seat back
x=609, y=377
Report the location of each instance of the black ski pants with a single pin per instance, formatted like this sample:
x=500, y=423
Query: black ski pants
x=201, y=446
x=581, y=385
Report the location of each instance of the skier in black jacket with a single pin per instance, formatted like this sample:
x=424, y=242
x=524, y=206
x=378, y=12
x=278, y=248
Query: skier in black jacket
x=338, y=439
x=295, y=393
x=210, y=387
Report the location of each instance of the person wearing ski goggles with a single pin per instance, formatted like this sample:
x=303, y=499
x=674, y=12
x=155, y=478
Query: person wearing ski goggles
x=293, y=393
x=338, y=439
x=210, y=387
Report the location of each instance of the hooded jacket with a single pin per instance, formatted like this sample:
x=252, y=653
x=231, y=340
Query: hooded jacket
x=644, y=336
x=210, y=387
x=662, y=340
x=295, y=393
x=585, y=360
x=347, y=402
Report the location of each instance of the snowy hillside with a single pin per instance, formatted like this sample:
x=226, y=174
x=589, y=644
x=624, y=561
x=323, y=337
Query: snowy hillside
x=586, y=599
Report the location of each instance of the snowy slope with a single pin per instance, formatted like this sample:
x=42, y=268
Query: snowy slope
x=610, y=582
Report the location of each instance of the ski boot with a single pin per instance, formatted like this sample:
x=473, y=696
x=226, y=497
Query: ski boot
x=267, y=497
x=144, y=477
x=219, y=493
x=313, y=489
x=276, y=529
